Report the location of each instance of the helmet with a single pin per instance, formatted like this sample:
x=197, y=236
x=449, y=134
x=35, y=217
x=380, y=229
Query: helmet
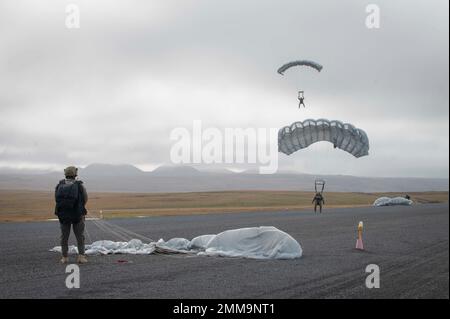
x=71, y=171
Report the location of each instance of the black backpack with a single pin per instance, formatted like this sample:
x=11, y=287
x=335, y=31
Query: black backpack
x=67, y=196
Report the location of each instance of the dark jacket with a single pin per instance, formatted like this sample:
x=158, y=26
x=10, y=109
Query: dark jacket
x=318, y=199
x=80, y=208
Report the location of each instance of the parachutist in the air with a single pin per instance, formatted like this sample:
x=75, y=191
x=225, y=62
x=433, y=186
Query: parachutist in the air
x=301, y=98
x=302, y=102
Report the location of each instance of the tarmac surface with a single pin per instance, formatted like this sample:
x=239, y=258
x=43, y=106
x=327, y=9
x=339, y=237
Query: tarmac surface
x=409, y=244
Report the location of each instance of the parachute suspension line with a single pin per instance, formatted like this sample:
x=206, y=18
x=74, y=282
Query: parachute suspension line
x=129, y=232
x=93, y=219
x=119, y=232
x=109, y=227
x=104, y=228
x=126, y=235
x=87, y=232
x=319, y=185
x=125, y=231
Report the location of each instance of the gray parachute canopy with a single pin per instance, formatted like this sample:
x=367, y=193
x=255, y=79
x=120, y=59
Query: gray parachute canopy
x=289, y=65
x=343, y=136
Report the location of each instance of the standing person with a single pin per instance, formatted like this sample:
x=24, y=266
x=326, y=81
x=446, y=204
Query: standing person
x=71, y=198
x=318, y=200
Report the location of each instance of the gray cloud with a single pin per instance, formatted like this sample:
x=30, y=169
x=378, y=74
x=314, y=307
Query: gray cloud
x=113, y=90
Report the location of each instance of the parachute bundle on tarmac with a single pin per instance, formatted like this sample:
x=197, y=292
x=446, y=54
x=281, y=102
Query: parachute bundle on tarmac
x=344, y=136
x=396, y=201
x=265, y=242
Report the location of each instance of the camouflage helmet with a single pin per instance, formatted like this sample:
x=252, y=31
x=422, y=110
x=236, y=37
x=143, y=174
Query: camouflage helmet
x=71, y=171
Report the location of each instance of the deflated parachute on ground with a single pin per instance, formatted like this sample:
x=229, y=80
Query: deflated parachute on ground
x=289, y=65
x=264, y=242
x=344, y=136
x=395, y=201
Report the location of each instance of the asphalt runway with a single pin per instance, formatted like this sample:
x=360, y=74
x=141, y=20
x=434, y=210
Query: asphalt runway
x=409, y=244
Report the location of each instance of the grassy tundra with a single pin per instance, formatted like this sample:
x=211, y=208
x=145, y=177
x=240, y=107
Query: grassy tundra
x=35, y=205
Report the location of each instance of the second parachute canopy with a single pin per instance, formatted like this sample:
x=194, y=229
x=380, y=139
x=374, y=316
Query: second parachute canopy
x=343, y=136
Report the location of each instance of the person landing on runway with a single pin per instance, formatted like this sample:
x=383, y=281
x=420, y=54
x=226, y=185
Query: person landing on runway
x=318, y=200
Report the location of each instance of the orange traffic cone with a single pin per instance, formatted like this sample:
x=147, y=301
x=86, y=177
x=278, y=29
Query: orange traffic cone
x=359, y=241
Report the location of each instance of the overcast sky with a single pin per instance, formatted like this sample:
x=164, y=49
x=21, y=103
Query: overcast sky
x=112, y=90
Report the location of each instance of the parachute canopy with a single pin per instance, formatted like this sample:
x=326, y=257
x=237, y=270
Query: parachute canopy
x=289, y=65
x=343, y=136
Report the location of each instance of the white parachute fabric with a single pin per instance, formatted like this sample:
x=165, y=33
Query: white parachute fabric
x=200, y=242
x=264, y=242
x=257, y=243
x=395, y=201
x=176, y=244
x=107, y=247
x=344, y=136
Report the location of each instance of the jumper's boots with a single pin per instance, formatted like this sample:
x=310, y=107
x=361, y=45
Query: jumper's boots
x=359, y=241
x=82, y=259
x=64, y=260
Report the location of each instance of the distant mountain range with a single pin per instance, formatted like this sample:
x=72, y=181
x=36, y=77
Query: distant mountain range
x=128, y=178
